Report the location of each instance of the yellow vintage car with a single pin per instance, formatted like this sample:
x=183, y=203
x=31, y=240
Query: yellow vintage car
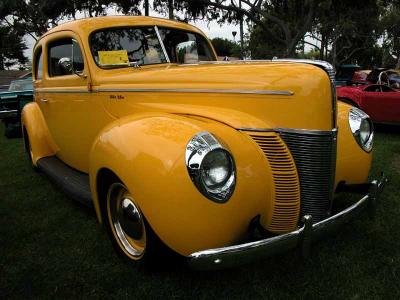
x=220, y=162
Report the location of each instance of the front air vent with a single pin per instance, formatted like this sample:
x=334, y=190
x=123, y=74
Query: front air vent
x=287, y=193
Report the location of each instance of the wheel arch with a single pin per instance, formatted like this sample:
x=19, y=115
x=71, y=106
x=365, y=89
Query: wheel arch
x=34, y=124
x=349, y=101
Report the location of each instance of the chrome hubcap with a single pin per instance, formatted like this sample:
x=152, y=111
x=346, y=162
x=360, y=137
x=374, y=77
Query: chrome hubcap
x=126, y=220
x=130, y=219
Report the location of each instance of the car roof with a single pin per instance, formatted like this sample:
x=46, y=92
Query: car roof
x=92, y=24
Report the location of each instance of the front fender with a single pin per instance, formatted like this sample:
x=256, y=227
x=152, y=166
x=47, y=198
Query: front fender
x=148, y=154
x=40, y=139
x=353, y=163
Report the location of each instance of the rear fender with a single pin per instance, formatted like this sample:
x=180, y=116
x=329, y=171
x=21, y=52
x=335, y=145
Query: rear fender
x=38, y=133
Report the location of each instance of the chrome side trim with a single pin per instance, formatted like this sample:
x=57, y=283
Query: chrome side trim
x=162, y=44
x=8, y=113
x=235, y=255
x=206, y=91
x=59, y=91
x=291, y=130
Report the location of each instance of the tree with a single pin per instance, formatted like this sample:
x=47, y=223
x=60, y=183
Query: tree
x=391, y=30
x=11, y=47
x=225, y=47
x=285, y=22
x=346, y=29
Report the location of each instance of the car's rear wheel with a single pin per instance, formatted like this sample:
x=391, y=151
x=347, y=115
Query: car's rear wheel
x=28, y=149
x=126, y=223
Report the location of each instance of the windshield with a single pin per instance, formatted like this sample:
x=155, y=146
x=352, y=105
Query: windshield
x=185, y=47
x=121, y=47
x=20, y=85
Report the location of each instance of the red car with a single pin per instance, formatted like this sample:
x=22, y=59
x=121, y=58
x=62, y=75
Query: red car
x=379, y=101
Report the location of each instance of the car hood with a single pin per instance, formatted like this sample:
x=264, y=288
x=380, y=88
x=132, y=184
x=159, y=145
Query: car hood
x=241, y=94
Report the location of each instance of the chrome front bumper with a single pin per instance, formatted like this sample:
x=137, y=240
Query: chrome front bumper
x=226, y=257
x=8, y=113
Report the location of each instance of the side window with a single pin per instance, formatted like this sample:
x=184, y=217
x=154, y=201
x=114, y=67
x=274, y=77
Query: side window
x=38, y=64
x=62, y=51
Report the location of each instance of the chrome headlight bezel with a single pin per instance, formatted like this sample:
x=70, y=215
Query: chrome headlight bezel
x=356, y=120
x=201, y=146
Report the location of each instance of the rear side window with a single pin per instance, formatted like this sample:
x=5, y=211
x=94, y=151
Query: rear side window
x=39, y=64
x=61, y=50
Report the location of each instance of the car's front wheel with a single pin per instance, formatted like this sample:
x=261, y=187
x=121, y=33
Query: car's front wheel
x=126, y=223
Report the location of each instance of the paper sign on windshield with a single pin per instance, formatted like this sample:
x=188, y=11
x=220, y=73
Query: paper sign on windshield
x=115, y=57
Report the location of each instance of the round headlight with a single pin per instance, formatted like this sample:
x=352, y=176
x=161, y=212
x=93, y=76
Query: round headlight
x=216, y=168
x=362, y=128
x=211, y=167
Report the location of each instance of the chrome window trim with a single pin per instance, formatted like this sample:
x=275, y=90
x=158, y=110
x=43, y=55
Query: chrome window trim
x=162, y=44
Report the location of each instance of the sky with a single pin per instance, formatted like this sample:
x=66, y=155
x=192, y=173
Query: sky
x=211, y=29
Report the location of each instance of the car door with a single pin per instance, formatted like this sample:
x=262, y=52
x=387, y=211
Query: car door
x=65, y=100
x=382, y=103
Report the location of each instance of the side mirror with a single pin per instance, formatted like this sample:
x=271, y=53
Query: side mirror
x=65, y=65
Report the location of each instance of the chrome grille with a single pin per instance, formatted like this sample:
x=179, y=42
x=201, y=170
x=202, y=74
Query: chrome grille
x=287, y=193
x=314, y=153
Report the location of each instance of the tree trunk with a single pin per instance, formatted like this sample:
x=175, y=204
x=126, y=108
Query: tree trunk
x=241, y=32
x=398, y=61
x=334, y=54
x=1, y=62
x=171, y=9
x=322, y=50
x=146, y=7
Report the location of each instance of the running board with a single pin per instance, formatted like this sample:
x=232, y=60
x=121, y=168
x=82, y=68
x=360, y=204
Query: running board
x=72, y=182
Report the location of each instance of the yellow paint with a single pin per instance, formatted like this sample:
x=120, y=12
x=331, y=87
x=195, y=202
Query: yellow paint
x=113, y=57
x=352, y=163
x=39, y=137
x=141, y=135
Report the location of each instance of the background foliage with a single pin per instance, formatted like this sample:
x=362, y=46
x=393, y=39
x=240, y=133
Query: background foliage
x=341, y=31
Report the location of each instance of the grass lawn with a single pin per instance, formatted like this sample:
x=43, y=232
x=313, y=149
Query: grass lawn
x=52, y=247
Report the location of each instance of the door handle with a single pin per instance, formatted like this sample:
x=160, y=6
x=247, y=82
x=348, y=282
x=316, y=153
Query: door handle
x=44, y=100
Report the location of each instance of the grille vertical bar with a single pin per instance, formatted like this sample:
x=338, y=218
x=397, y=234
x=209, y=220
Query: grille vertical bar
x=287, y=191
x=314, y=153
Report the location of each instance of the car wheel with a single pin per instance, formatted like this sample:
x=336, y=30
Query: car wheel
x=126, y=223
x=28, y=149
